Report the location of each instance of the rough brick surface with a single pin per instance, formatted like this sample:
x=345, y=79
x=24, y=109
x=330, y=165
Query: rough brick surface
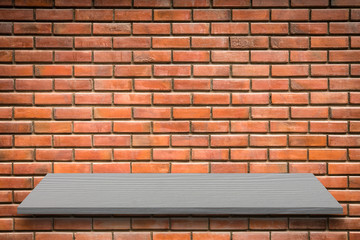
x=180, y=86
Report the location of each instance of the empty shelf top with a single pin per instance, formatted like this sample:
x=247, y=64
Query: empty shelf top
x=133, y=194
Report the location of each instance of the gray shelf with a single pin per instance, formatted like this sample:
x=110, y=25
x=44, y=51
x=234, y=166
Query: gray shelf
x=134, y=194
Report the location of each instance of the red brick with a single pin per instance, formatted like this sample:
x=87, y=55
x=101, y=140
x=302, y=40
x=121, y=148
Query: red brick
x=53, y=98
x=72, y=167
x=111, y=223
x=211, y=99
x=308, y=28
x=5, y=141
x=132, y=154
x=251, y=235
x=133, y=71
x=250, y=70
x=189, y=168
x=6, y=56
x=72, y=141
x=267, y=140
x=38, y=3
x=72, y=113
x=231, y=113
x=111, y=28
x=133, y=14
x=309, y=112
x=211, y=235
x=16, y=154
x=110, y=140
x=94, y=236
x=15, y=182
x=16, y=70
x=32, y=168
x=191, y=223
x=289, y=98
x=113, y=84
x=136, y=126
x=171, y=154
x=150, y=140
x=111, y=113
x=268, y=223
x=345, y=113
x=289, y=70
x=53, y=70
x=191, y=56
x=269, y=56
x=229, y=167
x=151, y=113
x=152, y=3
x=250, y=15
x=173, y=42
x=93, y=71
x=290, y=15
x=286, y=126
x=211, y=15
x=54, y=14
x=213, y=42
x=212, y=70
x=210, y=126
x=309, y=3
x=16, y=14
x=198, y=3
x=344, y=223
x=15, y=127
x=33, y=141
x=53, y=42
x=270, y=84
x=345, y=83
x=131, y=42
x=330, y=14
x=6, y=28
x=333, y=182
x=229, y=141
x=72, y=56
x=72, y=28
x=345, y=28
x=269, y=28
x=54, y=154
x=32, y=28
x=308, y=56
x=151, y=28
x=170, y=235
x=232, y=84
x=315, y=168
x=74, y=3
x=210, y=154
x=16, y=42
x=33, y=224
x=33, y=56
x=93, y=15
x=309, y=84
x=112, y=56
x=72, y=224
x=171, y=127
x=289, y=235
x=152, y=56
x=250, y=98
x=52, y=127
x=129, y=99
x=93, y=98
x=6, y=224
x=287, y=154
x=92, y=127
x=191, y=84
x=132, y=235
x=307, y=140
x=290, y=42
x=189, y=140
x=344, y=141
x=344, y=56
x=150, y=168
x=249, y=126
x=229, y=28
x=230, y=56
x=249, y=42
x=172, y=15
x=270, y=3
x=329, y=98
x=190, y=28
x=93, y=154
x=328, y=235
x=267, y=112
x=329, y=42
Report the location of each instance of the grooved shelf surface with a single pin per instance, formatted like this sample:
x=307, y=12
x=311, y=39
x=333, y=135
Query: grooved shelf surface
x=134, y=194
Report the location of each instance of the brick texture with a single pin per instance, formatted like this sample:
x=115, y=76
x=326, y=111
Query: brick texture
x=180, y=86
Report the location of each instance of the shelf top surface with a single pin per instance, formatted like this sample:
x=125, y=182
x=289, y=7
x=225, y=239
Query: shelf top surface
x=134, y=194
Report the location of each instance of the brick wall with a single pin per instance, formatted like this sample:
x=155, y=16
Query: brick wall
x=185, y=86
